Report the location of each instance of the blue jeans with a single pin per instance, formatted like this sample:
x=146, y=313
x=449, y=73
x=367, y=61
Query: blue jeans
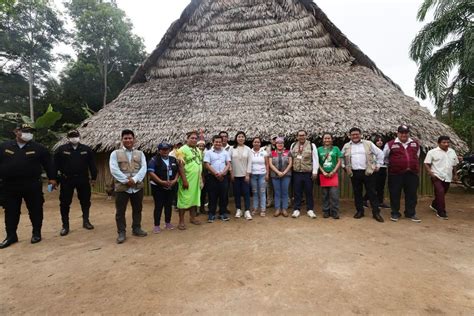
x=259, y=188
x=241, y=189
x=280, y=188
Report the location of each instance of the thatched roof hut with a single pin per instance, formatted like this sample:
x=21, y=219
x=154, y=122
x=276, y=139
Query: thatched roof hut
x=262, y=66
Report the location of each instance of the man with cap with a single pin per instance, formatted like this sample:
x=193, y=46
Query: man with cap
x=402, y=157
x=163, y=173
x=21, y=163
x=74, y=161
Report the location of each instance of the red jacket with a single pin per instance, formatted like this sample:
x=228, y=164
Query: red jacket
x=401, y=160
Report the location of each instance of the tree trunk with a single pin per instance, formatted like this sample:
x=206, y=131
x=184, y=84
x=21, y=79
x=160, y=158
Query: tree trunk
x=30, y=84
x=106, y=73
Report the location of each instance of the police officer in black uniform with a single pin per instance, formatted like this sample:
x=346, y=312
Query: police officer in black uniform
x=74, y=161
x=21, y=164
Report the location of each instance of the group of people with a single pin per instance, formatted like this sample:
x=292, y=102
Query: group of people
x=192, y=173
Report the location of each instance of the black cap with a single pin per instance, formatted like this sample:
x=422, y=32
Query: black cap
x=26, y=127
x=73, y=133
x=403, y=129
x=164, y=146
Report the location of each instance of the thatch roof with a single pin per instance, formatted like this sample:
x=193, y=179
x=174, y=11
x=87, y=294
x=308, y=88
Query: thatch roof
x=262, y=66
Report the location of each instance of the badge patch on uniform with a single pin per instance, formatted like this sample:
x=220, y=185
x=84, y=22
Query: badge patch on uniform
x=395, y=146
x=66, y=152
x=30, y=152
x=83, y=152
x=8, y=151
x=413, y=145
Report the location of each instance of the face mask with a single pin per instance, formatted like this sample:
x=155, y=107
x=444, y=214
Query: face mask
x=26, y=137
x=74, y=140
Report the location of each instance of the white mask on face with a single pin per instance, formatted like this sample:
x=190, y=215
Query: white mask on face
x=26, y=137
x=74, y=140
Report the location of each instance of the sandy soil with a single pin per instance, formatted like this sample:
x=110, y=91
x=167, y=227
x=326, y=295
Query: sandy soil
x=266, y=266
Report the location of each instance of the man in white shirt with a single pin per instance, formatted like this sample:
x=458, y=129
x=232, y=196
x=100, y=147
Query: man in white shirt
x=441, y=163
x=128, y=167
x=361, y=159
x=217, y=162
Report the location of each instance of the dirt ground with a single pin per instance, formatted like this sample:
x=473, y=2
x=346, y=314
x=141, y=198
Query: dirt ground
x=265, y=266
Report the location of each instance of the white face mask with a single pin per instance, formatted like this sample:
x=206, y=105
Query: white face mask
x=26, y=137
x=74, y=140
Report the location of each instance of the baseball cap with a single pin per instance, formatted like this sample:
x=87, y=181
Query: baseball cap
x=403, y=129
x=164, y=146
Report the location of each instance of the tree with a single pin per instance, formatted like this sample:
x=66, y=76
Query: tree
x=30, y=29
x=105, y=33
x=444, y=52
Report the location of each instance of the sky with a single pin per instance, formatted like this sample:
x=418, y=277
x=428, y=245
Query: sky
x=383, y=29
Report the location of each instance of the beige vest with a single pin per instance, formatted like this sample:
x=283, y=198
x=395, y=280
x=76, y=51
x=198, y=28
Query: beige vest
x=129, y=168
x=371, y=159
x=302, y=161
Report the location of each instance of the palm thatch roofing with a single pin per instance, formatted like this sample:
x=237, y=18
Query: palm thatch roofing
x=263, y=66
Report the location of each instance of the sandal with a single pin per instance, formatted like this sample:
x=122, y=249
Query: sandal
x=195, y=222
x=181, y=227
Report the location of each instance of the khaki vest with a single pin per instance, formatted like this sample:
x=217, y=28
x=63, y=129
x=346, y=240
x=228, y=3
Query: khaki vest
x=371, y=159
x=129, y=168
x=305, y=164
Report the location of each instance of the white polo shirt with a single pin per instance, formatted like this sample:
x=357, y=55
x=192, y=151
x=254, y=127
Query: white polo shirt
x=442, y=163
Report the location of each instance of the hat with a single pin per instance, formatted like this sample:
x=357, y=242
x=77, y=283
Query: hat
x=279, y=140
x=26, y=127
x=201, y=142
x=73, y=133
x=164, y=146
x=403, y=129
x=274, y=136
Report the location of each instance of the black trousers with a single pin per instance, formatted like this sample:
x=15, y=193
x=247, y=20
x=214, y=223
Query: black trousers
x=163, y=199
x=408, y=182
x=218, y=193
x=30, y=191
x=360, y=180
x=83, y=188
x=303, y=181
x=380, y=179
x=121, y=201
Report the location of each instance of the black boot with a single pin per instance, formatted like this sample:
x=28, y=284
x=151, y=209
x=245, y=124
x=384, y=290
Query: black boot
x=87, y=225
x=65, y=230
x=9, y=240
x=121, y=237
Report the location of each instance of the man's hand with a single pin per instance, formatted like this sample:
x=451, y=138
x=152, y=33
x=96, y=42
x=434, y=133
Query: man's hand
x=247, y=178
x=131, y=182
x=314, y=176
x=185, y=184
x=54, y=183
x=455, y=177
x=93, y=183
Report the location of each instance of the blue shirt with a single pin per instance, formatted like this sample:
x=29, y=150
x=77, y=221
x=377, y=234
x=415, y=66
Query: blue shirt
x=217, y=159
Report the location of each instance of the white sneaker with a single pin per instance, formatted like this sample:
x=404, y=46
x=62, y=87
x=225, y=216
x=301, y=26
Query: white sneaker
x=296, y=214
x=238, y=213
x=248, y=215
x=311, y=214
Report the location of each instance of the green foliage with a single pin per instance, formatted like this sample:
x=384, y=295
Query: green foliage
x=444, y=52
x=8, y=122
x=105, y=40
x=13, y=93
x=48, y=119
x=29, y=31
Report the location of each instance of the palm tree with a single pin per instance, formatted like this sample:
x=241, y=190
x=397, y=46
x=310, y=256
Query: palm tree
x=444, y=52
